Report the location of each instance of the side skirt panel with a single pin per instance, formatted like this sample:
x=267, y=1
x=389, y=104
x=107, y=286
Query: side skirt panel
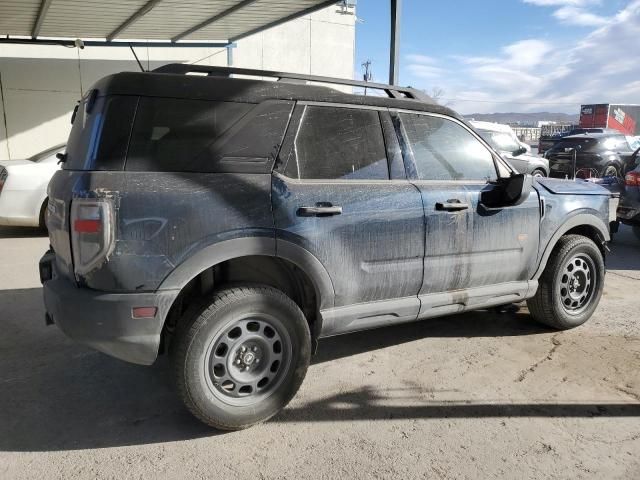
x=364, y=316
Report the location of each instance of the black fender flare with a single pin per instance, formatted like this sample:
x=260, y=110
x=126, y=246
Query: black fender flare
x=573, y=222
x=241, y=247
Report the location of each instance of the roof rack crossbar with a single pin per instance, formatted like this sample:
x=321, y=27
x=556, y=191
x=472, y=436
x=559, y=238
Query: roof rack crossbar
x=393, y=91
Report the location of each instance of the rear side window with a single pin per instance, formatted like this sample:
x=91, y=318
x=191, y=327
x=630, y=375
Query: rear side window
x=100, y=133
x=444, y=150
x=616, y=143
x=339, y=143
x=175, y=135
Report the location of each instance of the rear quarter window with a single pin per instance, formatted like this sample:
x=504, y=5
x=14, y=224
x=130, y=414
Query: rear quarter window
x=175, y=135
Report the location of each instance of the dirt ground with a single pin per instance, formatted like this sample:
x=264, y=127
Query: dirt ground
x=481, y=395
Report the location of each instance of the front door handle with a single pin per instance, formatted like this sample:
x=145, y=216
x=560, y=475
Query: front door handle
x=321, y=209
x=451, y=205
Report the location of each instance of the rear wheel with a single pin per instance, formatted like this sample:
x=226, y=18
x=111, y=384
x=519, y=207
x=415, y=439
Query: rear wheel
x=43, y=211
x=538, y=173
x=241, y=357
x=571, y=285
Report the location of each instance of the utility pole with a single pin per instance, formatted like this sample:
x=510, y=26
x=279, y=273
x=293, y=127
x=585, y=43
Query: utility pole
x=366, y=76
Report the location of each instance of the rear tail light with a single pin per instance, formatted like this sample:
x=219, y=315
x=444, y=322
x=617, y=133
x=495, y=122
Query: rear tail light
x=632, y=179
x=92, y=233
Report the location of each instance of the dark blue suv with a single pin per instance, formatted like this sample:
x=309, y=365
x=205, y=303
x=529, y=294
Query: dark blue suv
x=233, y=222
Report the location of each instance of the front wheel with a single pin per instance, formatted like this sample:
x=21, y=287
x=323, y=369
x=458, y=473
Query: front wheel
x=539, y=173
x=610, y=171
x=571, y=285
x=241, y=357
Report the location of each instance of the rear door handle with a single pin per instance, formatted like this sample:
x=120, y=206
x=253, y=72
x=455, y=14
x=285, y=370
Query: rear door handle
x=321, y=209
x=451, y=206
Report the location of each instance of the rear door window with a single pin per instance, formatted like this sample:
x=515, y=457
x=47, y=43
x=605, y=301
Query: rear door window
x=174, y=135
x=339, y=143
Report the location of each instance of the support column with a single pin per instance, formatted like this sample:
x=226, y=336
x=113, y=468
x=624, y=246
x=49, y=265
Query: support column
x=394, y=44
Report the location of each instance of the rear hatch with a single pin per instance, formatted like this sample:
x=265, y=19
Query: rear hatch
x=94, y=118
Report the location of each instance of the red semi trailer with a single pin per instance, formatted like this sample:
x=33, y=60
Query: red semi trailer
x=624, y=118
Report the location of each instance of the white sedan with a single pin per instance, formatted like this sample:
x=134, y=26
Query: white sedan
x=23, y=188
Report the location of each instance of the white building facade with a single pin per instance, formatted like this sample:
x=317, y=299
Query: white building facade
x=40, y=84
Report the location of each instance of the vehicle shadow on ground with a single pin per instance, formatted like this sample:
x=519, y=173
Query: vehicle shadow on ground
x=22, y=232
x=380, y=404
x=471, y=324
x=625, y=251
x=56, y=395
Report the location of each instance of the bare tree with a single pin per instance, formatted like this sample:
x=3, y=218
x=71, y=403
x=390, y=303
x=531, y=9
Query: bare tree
x=437, y=94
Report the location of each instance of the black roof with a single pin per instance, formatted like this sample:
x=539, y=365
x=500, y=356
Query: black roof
x=224, y=88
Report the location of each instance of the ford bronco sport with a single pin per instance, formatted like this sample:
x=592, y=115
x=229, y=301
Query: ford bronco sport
x=233, y=222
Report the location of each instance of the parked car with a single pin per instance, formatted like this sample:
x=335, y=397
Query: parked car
x=629, y=208
x=597, y=154
x=23, y=188
x=511, y=148
x=233, y=222
x=501, y=127
x=546, y=142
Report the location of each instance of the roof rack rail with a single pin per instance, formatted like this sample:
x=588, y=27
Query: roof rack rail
x=392, y=91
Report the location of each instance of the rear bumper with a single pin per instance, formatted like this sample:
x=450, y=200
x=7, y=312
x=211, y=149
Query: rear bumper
x=629, y=212
x=104, y=321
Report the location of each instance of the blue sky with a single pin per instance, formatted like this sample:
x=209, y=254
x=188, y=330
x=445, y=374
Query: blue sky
x=510, y=55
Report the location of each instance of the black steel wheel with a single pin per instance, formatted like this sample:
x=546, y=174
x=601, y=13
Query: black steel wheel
x=248, y=359
x=241, y=356
x=571, y=284
x=577, y=281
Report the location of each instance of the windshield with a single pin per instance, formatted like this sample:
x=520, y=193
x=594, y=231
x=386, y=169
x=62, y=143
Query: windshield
x=500, y=140
x=38, y=157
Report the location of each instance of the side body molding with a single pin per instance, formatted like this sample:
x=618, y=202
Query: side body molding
x=577, y=220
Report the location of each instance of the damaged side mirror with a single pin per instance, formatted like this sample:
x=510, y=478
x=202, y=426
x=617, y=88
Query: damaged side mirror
x=507, y=191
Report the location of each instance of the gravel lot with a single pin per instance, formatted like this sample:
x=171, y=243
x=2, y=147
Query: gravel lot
x=480, y=395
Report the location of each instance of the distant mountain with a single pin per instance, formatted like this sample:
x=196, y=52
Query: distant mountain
x=524, y=118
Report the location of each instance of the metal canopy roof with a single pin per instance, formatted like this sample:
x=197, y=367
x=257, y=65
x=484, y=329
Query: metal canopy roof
x=158, y=20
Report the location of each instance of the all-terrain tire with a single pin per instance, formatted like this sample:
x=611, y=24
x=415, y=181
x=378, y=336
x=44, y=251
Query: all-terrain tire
x=42, y=224
x=575, y=257
x=205, y=349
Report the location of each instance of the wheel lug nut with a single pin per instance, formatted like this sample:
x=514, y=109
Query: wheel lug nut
x=238, y=362
x=243, y=349
x=257, y=360
x=255, y=349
